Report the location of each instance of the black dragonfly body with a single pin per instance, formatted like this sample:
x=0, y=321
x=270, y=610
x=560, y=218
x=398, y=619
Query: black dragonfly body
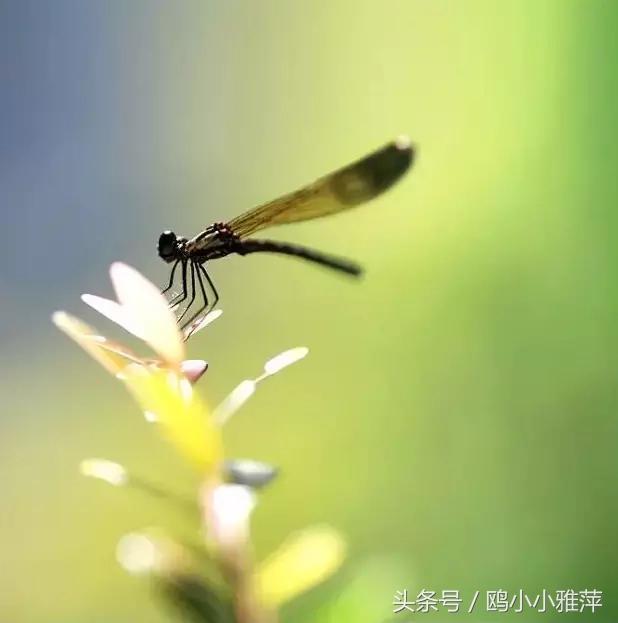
x=345, y=188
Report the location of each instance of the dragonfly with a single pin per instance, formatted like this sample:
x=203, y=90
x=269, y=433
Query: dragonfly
x=345, y=188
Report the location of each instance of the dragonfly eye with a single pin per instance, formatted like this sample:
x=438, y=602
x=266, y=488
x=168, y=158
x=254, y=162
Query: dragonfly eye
x=167, y=246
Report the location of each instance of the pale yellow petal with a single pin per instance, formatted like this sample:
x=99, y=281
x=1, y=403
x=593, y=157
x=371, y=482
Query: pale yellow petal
x=90, y=341
x=139, y=554
x=152, y=552
x=303, y=561
x=285, y=359
x=182, y=417
x=147, y=308
x=109, y=471
x=236, y=399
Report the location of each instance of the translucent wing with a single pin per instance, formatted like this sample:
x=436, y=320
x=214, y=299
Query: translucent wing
x=348, y=187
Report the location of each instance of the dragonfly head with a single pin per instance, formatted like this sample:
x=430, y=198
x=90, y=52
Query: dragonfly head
x=170, y=246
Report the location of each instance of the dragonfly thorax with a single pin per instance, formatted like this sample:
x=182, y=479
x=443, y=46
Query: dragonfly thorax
x=216, y=241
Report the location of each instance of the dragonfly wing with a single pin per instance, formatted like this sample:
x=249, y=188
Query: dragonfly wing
x=350, y=186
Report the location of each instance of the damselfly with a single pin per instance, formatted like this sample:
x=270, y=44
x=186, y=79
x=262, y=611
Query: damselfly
x=345, y=188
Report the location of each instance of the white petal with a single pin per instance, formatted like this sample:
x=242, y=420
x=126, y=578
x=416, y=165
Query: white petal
x=239, y=395
x=285, y=359
x=199, y=324
x=230, y=510
x=145, y=305
x=115, y=312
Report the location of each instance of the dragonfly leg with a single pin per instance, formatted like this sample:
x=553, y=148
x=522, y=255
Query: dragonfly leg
x=191, y=320
x=171, y=283
x=179, y=298
x=192, y=294
x=212, y=286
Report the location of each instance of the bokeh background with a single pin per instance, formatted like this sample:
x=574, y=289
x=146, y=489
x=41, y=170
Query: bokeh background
x=456, y=418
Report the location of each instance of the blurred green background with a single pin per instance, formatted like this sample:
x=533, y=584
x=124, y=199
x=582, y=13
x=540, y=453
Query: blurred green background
x=456, y=418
